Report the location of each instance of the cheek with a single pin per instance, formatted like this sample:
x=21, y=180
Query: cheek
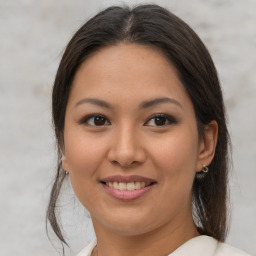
x=175, y=160
x=176, y=154
x=84, y=157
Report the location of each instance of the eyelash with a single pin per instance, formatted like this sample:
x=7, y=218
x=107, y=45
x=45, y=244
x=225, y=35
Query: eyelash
x=168, y=119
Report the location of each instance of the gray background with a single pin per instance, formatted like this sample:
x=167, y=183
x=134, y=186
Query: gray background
x=33, y=36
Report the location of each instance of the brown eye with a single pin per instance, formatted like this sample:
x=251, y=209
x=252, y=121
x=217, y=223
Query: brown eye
x=160, y=120
x=95, y=120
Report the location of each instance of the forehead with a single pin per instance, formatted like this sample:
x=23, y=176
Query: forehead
x=128, y=57
x=127, y=71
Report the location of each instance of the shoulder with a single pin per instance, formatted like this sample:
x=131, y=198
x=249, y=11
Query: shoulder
x=206, y=246
x=88, y=249
x=195, y=246
x=227, y=250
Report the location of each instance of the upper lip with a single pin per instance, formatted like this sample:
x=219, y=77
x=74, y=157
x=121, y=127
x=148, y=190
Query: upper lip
x=127, y=179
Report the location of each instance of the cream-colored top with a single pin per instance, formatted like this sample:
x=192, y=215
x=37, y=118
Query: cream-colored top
x=198, y=246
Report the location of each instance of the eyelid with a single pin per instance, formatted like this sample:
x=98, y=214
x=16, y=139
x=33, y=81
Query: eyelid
x=85, y=119
x=169, y=118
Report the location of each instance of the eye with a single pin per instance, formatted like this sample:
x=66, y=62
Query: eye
x=160, y=120
x=95, y=120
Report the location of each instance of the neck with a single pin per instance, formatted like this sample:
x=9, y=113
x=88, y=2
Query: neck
x=161, y=241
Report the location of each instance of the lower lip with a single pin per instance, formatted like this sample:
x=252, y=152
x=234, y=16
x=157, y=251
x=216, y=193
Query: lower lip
x=127, y=195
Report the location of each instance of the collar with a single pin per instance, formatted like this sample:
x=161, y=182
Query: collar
x=196, y=246
x=193, y=247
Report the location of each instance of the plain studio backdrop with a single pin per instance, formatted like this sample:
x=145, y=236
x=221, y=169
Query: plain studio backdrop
x=34, y=34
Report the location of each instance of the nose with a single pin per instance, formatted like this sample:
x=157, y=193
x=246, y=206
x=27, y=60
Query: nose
x=126, y=148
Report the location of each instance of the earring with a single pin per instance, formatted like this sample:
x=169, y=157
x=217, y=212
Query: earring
x=201, y=175
x=66, y=173
x=205, y=169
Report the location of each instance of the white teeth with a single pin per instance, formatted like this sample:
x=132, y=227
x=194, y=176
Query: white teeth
x=137, y=185
x=126, y=186
x=115, y=185
x=130, y=186
x=122, y=186
x=110, y=184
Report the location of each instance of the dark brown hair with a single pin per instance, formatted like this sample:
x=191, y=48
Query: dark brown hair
x=154, y=26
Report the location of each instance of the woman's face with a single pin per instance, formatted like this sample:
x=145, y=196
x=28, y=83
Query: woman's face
x=131, y=143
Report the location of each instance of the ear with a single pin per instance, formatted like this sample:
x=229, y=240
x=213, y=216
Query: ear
x=64, y=161
x=207, y=145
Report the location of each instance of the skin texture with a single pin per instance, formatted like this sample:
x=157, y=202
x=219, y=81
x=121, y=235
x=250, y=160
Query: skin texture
x=130, y=142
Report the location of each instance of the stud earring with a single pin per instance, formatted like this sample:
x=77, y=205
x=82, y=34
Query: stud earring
x=66, y=173
x=201, y=175
x=205, y=169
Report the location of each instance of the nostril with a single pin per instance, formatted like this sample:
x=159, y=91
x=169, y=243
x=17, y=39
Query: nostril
x=125, y=164
x=115, y=162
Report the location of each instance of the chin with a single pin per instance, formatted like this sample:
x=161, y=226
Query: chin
x=130, y=229
x=125, y=225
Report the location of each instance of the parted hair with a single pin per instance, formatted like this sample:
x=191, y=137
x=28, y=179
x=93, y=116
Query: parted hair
x=155, y=26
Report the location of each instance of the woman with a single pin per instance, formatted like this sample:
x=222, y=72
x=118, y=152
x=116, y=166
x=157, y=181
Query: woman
x=140, y=125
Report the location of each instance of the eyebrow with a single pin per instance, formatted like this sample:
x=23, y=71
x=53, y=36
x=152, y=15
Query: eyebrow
x=144, y=104
x=150, y=103
x=94, y=101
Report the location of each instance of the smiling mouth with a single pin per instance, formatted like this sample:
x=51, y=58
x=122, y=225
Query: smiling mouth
x=128, y=186
x=127, y=183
